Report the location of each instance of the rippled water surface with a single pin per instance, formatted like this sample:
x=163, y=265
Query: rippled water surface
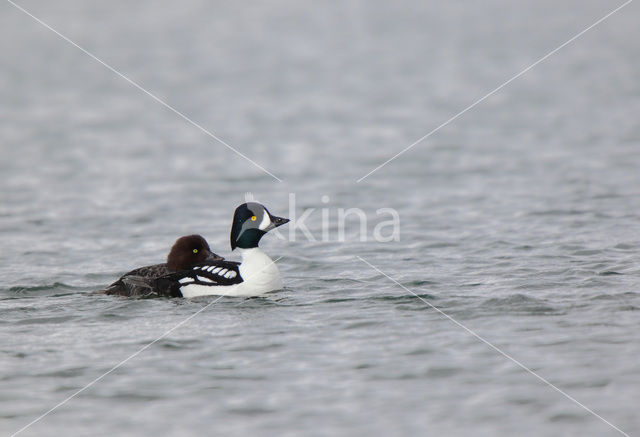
x=520, y=220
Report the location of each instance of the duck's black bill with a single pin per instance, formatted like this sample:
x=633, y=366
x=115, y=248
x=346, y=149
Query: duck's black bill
x=279, y=221
x=211, y=257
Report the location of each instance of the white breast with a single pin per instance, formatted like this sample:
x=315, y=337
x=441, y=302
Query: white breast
x=259, y=272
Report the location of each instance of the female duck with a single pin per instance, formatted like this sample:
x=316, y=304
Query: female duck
x=185, y=253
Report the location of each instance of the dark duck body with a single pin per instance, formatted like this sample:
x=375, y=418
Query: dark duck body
x=185, y=253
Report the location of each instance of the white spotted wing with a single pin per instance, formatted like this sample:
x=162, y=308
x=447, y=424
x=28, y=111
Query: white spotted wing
x=208, y=274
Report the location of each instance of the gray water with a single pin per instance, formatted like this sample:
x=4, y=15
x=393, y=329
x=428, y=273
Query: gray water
x=520, y=220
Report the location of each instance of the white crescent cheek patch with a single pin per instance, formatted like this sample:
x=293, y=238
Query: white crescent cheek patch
x=266, y=221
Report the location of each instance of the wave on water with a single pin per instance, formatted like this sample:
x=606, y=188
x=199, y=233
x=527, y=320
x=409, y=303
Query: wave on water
x=519, y=303
x=54, y=289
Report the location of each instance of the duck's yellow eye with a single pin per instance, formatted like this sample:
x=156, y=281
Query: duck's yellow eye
x=253, y=218
x=195, y=250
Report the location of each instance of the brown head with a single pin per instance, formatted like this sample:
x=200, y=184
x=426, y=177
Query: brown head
x=190, y=250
